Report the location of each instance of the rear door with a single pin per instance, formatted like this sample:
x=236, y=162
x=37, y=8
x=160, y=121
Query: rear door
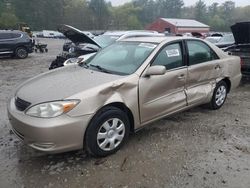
x=204, y=67
x=163, y=94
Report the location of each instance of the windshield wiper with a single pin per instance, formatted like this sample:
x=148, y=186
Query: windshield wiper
x=100, y=68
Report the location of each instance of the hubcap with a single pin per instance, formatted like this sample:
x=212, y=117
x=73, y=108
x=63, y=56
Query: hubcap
x=21, y=53
x=220, y=95
x=111, y=134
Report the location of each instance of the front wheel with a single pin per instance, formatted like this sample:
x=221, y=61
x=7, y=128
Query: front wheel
x=107, y=132
x=21, y=53
x=219, y=96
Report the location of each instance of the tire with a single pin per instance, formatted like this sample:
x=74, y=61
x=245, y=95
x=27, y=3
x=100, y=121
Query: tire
x=58, y=62
x=112, y=126
x=53, y=65
x=219, y=95
x=21, y=53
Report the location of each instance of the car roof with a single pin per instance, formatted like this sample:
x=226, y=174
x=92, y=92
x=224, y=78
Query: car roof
x=121, y=33
x=157, y=40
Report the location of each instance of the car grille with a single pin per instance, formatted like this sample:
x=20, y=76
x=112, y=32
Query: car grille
x=21, y=104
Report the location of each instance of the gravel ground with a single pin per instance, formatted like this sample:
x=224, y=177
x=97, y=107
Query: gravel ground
x=196, y=148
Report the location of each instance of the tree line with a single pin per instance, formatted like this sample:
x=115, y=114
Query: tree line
x=101, y=15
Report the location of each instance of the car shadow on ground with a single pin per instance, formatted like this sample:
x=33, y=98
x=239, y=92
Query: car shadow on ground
x=12, y=58
x=9, y=57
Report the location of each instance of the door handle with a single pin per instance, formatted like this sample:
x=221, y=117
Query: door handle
x=217, y=67
x=182, y=76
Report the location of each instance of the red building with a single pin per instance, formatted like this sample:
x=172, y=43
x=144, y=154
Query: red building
x=178, y=26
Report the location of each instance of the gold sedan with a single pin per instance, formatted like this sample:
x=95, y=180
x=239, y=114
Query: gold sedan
x=122, y=88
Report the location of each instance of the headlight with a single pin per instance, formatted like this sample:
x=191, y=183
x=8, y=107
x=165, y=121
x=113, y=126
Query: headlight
x=72, y=61
x=52, y=109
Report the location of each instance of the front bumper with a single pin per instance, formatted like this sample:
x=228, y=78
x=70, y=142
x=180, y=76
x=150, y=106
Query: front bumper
x=30, y=47
x=51, y=135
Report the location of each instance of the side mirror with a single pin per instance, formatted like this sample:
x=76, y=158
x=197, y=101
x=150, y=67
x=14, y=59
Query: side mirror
x=156, y=70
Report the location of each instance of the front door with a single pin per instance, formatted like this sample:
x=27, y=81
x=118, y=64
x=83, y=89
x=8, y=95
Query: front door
x=163, y=94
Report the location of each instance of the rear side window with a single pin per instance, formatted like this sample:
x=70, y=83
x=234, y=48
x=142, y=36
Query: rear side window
x=199, y=52
x=5, y=36
x=170, y=57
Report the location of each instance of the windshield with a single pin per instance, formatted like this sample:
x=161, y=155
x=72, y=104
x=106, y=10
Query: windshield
x=105, y=40
x=227, y=39
x=122, y=58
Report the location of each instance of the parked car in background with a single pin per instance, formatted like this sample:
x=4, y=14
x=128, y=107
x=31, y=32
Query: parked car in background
x=225, y=41
x=109, y=38
x=241, y=48
x=82, y=44
x=15, y=43
x=119, y=90
x=213, y=40
x=216, y=34
x=52, y=34
x=68, y=44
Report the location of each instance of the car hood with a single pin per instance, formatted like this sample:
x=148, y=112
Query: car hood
x=62, y=83
x=241, y=32
x=75, y=35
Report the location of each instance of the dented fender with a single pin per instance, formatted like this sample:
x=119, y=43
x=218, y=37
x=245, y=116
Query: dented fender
x=123, y=91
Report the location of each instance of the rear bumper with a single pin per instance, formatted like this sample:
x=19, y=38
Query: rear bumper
x=50, y=135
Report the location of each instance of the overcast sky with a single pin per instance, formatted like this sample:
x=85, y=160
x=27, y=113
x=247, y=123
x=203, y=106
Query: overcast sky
x=192, y=2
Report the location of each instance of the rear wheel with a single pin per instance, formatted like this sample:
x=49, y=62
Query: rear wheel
x=107, y=132
x=219, y=96
x=21, y=53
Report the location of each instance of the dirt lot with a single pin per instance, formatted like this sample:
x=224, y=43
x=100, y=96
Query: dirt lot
x=197, y=148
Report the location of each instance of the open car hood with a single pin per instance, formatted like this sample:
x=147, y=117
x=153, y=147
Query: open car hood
x=75, y=35
x=241, y=32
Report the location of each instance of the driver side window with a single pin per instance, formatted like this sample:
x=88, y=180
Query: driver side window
x=170, y=57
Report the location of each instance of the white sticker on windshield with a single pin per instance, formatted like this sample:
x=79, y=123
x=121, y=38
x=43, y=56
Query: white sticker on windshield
x=147, y=45
x=173, y=53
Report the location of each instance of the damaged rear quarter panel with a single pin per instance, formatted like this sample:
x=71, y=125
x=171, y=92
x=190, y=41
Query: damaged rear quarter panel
x=231, y=67
x=232, y=70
